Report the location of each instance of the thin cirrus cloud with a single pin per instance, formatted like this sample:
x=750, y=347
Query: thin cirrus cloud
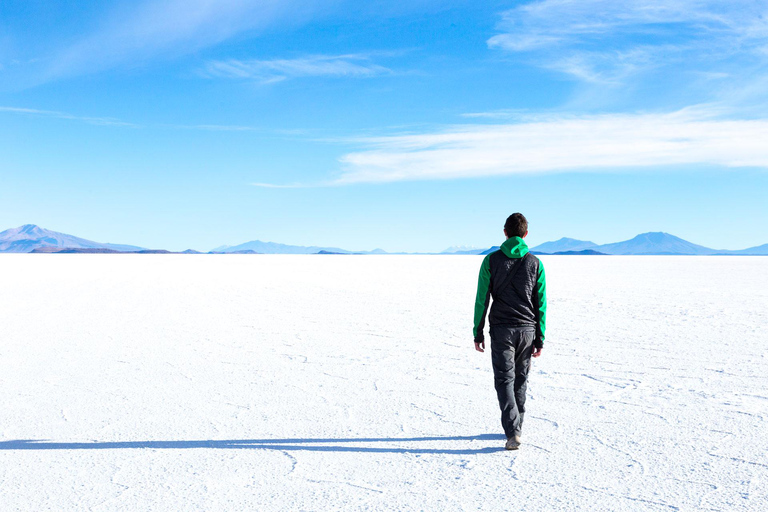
x=275, y=70
x=137, y=32
x=572, y=144
x=113, y=122
x=99, y=121
x=608, y=41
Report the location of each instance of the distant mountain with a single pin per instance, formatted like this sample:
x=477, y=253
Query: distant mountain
x=275, y=248
x=760, y=250
x=465, y=253
x=463, y=249
x=655, y=243
x=54, y=250
x=564, y=244
x=58, y=250
x=29, y=237
x=585, y=252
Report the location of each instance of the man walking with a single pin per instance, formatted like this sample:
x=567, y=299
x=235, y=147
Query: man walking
x=515, y=280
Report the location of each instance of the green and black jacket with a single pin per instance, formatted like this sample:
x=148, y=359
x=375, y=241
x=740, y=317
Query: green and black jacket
x=523, y=301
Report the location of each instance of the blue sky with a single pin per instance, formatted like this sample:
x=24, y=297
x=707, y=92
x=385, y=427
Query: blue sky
x=406, y=126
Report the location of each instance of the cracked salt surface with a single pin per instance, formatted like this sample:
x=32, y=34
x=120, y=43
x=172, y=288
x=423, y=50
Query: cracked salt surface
x=175, y=382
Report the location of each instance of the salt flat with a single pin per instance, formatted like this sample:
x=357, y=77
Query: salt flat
x=249, y=382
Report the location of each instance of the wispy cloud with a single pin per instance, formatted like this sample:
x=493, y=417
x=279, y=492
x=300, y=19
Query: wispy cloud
x=140, y=31
x=111, y=121
x=608, y=40
x=565, y=144
x=213, y=127
x=494, y=114
x=268, y=71
x=101, y=121
x=290, y=185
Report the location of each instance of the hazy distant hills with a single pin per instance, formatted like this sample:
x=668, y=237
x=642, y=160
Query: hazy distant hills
x=463, y=249
x=564, y=244
x=29, y=237
x=654, y=243
x=759, y=250
x=275, y=248
x=581, y=252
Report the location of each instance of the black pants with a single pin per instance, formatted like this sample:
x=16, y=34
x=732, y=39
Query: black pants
x=511, y=356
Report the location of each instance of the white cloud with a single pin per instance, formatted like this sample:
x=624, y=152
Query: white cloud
x=293, y=185
x=269, y=71
x=609, y=40
x=111, y=121
x=143, y=30
x=214, y=127
x=589, y=143
x=101, y=121
x=494, y=114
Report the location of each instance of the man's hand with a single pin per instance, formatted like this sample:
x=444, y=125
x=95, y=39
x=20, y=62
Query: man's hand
x=480, y=347
x=537, y=351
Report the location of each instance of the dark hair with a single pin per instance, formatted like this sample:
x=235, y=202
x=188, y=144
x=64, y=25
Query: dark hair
x=516, y=225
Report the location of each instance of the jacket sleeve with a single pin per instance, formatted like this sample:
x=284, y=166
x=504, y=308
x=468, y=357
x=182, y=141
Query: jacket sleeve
x=541, y=307
x=482, y=299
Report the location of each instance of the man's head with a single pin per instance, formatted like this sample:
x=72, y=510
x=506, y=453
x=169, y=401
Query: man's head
x=516, y=225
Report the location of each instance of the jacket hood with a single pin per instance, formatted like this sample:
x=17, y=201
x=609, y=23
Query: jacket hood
x=514, y=247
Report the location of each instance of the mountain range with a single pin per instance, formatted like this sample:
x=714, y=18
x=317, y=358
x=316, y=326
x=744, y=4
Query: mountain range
x=462, y=249
x=275, y=248
x=654, y=243
x=644, y=244
x=564, y=244
x=29, y=238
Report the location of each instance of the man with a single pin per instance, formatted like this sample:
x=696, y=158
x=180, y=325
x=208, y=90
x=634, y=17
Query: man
x=515, y=280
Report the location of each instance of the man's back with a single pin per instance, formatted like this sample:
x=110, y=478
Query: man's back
x=515, y=280
x=513, y=289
